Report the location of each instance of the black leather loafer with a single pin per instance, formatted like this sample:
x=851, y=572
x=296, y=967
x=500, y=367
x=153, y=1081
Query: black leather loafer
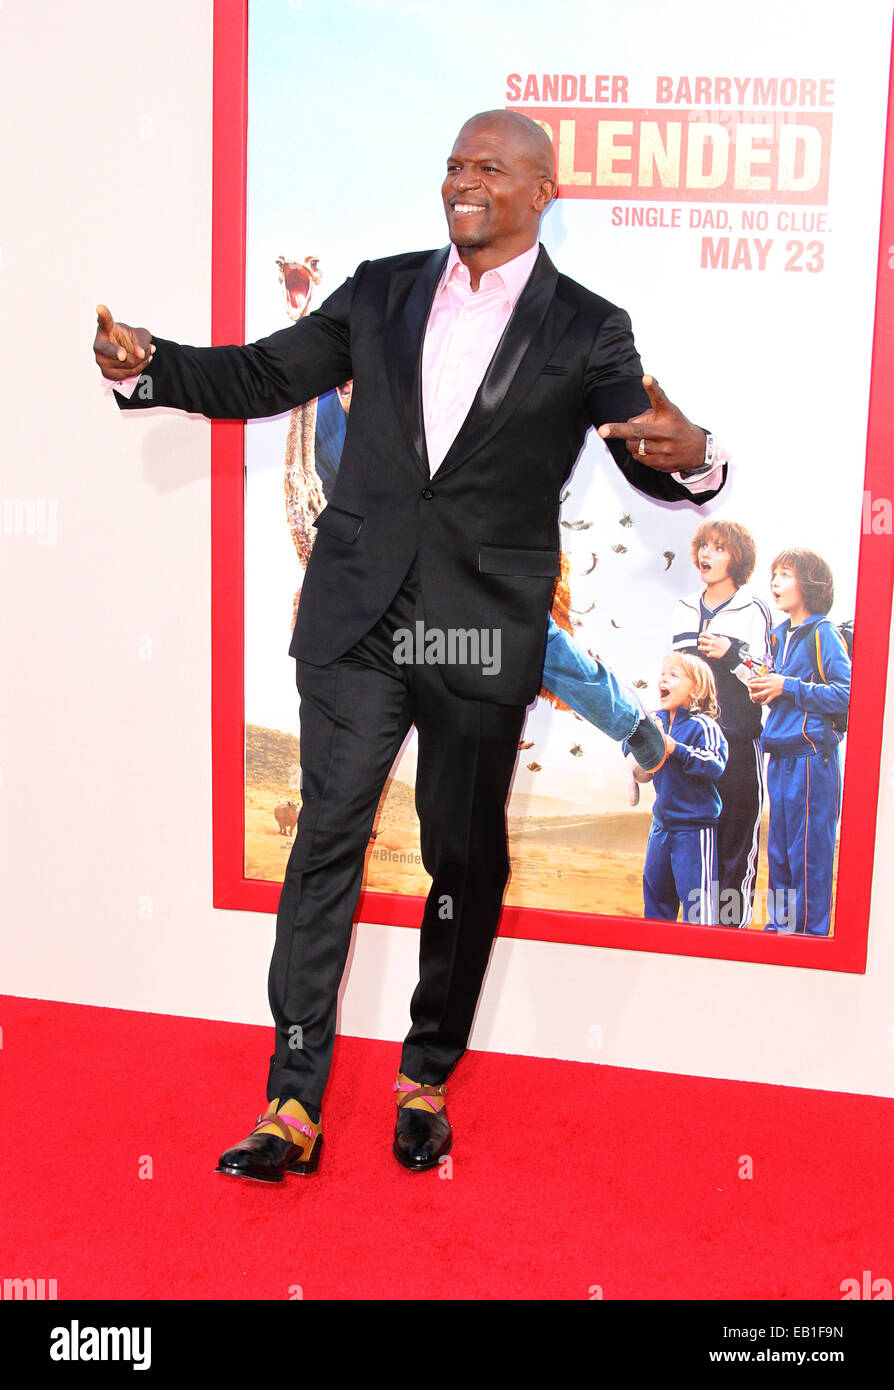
x=267, y=1158
x=421, y=1138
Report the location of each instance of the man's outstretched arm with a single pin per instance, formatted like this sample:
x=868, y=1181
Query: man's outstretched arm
x=659, y=450
x=274, y=374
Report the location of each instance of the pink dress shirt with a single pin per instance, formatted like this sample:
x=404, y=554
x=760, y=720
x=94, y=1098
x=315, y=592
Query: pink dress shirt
x=461, y=337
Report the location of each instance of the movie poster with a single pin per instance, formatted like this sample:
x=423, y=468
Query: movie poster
x=720, y=179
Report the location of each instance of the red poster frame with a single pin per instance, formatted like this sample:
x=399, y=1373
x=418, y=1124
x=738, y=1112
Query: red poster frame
x=847, y=950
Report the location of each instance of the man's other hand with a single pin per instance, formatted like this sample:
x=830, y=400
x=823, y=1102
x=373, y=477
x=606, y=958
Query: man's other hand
x=120, y=351
x=661, y=437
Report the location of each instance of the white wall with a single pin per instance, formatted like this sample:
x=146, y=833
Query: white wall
x=105, y=756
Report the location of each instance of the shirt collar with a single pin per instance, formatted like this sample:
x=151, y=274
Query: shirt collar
x=511, y=275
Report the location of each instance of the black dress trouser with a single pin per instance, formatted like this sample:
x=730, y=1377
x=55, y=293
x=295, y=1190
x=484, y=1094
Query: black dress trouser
x=355, y=714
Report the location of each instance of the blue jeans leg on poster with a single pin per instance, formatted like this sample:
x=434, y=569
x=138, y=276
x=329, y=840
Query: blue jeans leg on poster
x=588, y=686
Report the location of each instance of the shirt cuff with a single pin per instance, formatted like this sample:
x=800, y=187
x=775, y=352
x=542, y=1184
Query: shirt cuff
x=707, y=481
x=125, y=387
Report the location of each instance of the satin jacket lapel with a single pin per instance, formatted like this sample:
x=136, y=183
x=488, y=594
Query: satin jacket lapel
x=536, y=324
x=404, y=334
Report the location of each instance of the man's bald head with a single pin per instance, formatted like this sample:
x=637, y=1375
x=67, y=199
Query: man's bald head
x=500, y=180
x=530, y=139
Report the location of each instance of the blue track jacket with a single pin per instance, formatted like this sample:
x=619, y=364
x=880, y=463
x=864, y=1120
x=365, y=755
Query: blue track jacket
x=799, y=718
x=686, y=795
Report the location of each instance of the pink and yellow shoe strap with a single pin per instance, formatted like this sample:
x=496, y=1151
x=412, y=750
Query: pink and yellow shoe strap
x=411, y=1095
x=289, y=1126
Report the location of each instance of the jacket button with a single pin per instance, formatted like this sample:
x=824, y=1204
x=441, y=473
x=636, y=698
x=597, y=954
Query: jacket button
x=427, y=494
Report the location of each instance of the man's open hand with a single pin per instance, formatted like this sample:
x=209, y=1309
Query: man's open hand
x=661, y=437
x=120, y=351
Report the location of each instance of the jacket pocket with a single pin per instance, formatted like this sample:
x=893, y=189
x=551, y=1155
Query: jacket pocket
x=554, y=369
x=335, y=522
x=504, y=559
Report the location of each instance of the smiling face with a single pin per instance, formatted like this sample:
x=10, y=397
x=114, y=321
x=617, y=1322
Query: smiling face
x=496, y=188
x=675, y=688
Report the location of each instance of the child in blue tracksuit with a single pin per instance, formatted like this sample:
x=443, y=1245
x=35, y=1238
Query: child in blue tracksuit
x=807, y=694
x=680, y=864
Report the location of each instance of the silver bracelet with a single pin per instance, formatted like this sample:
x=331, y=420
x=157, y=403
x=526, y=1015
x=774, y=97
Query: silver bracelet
x=703, y=468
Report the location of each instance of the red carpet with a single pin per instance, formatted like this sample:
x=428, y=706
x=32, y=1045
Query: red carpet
x=566, y=1175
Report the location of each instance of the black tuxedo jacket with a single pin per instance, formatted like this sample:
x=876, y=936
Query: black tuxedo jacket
x=485, y=527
